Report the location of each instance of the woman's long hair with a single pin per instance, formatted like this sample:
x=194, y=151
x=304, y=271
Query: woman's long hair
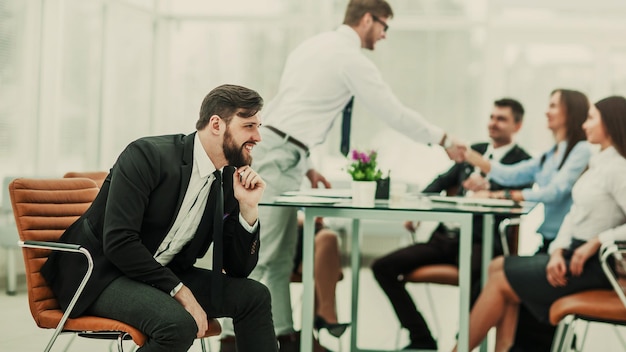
x=613, y=115
x=576, y=106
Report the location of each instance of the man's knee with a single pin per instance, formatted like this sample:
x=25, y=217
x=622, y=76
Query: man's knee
x=177, y=331
x=381, y=269
x=257, y=294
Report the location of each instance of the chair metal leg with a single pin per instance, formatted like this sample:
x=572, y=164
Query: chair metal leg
x=202, y=345
x=561, y=331
x=11, y=272
x=569, y=336
x=120, y=340
x=620, y=337
x=583, y=339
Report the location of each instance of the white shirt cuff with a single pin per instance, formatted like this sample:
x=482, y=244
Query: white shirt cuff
x=247, y=226
x=176, y=288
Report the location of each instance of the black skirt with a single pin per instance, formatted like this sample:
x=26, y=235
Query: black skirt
x=527, y=277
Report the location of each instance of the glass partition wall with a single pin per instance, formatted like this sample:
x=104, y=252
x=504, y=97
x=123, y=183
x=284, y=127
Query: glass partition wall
x=79, y=80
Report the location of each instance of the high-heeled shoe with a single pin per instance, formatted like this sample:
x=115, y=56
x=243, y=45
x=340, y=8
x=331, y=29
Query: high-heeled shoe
x=336, y=329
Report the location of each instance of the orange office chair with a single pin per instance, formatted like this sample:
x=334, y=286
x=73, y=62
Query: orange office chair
x=43, y=209
x=602, y=306
x=97, y=176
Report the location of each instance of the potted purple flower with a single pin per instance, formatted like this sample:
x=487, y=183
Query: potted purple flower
x=365, y=172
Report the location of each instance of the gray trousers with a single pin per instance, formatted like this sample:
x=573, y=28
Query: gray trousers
x=282, y=165
x=170, y=328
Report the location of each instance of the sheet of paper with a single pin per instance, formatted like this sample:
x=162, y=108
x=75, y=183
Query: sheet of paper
x=322, y=192
x=306, y=199
x=486, y=202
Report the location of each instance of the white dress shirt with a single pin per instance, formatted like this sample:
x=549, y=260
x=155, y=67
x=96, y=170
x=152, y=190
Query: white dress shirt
x=495, y=154
x=320, y=77
x=599, y=208
x=175, y=240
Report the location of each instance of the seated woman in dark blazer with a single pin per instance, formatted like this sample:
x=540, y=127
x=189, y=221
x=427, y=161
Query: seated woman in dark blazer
x=597, y=215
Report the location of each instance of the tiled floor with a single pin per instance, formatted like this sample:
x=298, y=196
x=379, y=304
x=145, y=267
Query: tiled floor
x=377, y=330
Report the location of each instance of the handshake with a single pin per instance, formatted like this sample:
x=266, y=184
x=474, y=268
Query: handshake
x=455, y=148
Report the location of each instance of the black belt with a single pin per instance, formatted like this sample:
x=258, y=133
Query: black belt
x=290, y=139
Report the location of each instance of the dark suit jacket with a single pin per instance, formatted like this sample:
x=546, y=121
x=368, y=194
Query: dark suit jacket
x=132, y=214
x=454, y=177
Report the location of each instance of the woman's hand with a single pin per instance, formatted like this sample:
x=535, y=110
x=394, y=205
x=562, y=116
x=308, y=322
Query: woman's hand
x=581, y=254
x=556, y=269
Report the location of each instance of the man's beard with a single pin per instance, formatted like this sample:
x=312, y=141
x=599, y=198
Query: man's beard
x=235, y=155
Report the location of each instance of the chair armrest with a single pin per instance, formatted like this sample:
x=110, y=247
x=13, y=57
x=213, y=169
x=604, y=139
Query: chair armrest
x=617, y=251
x=502, y=230
x=65, y=247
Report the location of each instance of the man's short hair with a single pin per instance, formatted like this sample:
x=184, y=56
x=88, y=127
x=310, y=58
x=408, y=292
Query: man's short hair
x=358, y=8
x=516, y=107
x=225, y=100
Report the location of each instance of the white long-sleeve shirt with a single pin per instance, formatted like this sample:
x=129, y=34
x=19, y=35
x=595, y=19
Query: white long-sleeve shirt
x=320, y=77
x=599, y=208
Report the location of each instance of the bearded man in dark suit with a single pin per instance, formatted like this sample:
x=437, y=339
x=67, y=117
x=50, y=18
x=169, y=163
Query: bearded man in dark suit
x=156, y=214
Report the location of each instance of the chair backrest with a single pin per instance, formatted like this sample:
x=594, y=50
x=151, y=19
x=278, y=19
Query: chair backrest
x=97, y=176
x=43, y=209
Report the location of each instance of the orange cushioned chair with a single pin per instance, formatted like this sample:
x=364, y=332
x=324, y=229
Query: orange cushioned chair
x=43, y=209
x=97, y=176
x=602, y=306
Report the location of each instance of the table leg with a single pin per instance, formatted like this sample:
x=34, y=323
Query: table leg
x=308, y=285
x=487, y=254
x=355, y=264
x=465, y=253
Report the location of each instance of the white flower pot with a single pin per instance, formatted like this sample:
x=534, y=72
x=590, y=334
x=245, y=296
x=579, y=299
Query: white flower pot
x=363, y=193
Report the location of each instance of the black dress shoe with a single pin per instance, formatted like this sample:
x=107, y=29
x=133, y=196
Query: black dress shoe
x=428, y=344
x=334, y=329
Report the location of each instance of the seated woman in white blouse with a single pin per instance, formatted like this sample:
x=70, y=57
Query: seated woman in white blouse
x=597, y=215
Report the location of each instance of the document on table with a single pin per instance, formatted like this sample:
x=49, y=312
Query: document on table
x=315, y=196
x=485, y=202
x=306, y=199
x=322, y=192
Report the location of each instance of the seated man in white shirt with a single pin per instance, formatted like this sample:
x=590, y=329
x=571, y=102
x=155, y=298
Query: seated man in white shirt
x=443, y=246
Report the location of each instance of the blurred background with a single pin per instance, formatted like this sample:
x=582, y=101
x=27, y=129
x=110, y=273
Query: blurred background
x=80, y=79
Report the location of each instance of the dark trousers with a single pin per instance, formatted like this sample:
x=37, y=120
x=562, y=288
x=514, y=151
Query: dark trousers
x=170, y=328
x=442, y=248
x=532, y=334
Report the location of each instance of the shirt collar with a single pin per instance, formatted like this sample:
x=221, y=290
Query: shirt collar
x=201, y=159
x=350, y=33
x=500, y=152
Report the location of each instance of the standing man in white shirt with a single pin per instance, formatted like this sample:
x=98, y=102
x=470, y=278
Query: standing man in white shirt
x=320, y=78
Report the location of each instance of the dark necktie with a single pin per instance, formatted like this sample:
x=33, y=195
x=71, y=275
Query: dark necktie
x=218, y=244
x=345, y=128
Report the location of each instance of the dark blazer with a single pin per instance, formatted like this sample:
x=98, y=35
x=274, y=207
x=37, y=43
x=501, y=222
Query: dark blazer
x=132, y=214
x=454, y=177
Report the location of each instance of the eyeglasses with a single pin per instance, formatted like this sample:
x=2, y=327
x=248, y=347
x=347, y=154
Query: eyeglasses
x=385, y=25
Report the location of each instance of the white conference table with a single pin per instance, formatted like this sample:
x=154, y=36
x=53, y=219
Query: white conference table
x=415, y=208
